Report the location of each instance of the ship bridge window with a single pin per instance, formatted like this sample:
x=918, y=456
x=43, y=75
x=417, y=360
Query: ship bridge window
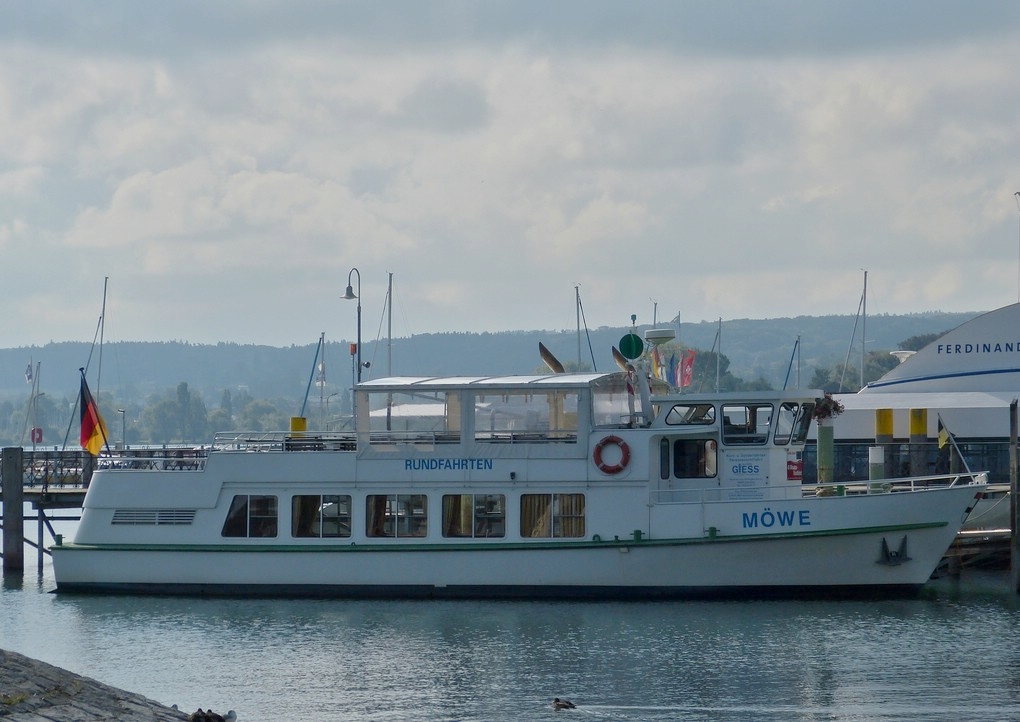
x=251, y=516
x=397, y=515
x=474, y=515
x=746, y=423
x=682, y=414
x=552, y=515
x=793, y=422
x=321, y=516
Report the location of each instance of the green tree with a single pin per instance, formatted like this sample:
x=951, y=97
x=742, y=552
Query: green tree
x=160, y=421
x=262, y=415
x=178, y=417
x=220, y=420
x=227, y=403
x=916, y=343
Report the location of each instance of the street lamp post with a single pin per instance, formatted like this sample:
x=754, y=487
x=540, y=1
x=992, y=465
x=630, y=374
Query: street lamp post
x=349, y=295
x=123, y=429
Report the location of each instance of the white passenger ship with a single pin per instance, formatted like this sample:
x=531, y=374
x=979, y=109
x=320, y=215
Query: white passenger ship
x=561, y=485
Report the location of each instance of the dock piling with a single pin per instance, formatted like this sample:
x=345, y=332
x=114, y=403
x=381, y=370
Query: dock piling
x=1014, y=508
x=13, y=516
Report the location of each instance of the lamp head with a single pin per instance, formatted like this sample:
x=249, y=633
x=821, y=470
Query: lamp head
x=349, y=294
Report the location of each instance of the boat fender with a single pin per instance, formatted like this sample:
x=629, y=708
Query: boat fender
x=624, y=455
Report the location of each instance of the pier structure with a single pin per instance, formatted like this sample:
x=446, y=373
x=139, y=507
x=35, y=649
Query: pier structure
x=54, y=482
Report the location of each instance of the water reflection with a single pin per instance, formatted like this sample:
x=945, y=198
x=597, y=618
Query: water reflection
x=933, y=657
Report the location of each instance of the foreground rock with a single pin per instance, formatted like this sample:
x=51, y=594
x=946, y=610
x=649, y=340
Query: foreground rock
x=33, y=691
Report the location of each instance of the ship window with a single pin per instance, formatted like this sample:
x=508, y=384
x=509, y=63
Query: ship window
x=326, y=515
x=746, y=423
x=474, y=515
x=251, y=516
x=552, y=515
x=694, y=458
x=803, y=423
x=691, y=414
x=526, y=416
x=397, y=515
x=418, y=417
x=793, y=422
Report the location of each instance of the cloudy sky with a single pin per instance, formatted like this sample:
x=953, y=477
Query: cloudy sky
x=227, y=164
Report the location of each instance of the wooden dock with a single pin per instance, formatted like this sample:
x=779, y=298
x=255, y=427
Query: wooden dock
x=983, y=549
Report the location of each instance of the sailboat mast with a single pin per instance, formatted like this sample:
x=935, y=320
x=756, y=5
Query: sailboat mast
x=577, y=312
x=389, y=326
x=864, y=324
x=102, y=331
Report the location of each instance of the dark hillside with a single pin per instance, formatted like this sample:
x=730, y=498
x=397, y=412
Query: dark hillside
x=134, y=371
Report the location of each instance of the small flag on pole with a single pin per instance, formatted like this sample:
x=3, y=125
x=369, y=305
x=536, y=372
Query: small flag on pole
x=93, y=428
x=28, y=373
x=943, y=434
x=687, y=367
x=656, y=363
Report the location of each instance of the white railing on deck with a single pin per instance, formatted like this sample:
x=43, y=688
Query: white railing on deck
x=248, y=441
x=162, y=460
x=885, y=486
x=888, y=486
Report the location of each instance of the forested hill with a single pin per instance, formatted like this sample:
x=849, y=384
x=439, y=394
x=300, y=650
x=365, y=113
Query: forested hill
x=755, y=348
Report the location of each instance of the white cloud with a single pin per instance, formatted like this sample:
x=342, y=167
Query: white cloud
x=491, y=168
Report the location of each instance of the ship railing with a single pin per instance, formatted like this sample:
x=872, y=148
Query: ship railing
x=260, y=441
x=183, y=459
x=889, y=486
x=795, y=490
x=567, y=436
x=422, y=438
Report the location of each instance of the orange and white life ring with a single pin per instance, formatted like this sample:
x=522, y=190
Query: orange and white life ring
x=624, y=455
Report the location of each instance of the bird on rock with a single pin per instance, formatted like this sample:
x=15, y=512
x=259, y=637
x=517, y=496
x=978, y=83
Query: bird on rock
x=208, y=715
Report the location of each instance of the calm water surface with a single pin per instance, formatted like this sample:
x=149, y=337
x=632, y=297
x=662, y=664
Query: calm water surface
x=952, y=654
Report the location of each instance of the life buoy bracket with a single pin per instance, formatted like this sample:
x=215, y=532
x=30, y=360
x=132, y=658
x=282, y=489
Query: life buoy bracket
x=624, y=455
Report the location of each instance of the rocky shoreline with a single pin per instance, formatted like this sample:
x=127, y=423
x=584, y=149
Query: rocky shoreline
x=33, y=691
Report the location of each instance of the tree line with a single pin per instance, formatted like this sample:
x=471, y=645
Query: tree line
x=180, y=416
x=177, y=416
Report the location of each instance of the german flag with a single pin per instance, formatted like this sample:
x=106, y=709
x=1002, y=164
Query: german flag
x=93, y=428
